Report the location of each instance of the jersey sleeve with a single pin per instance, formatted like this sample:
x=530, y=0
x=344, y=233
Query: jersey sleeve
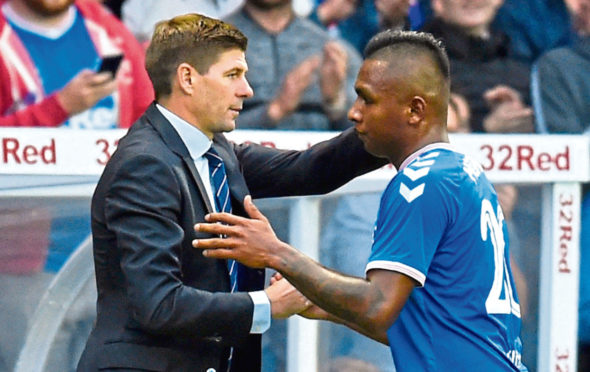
x=411, y=222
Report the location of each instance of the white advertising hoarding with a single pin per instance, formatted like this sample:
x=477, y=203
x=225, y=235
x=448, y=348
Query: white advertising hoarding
x=505, y=158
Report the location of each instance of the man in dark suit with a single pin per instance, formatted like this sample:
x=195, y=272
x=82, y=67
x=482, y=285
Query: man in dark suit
x=161, y=305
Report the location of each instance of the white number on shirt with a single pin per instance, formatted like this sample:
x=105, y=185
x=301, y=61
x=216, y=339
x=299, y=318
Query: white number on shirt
x=494, y=303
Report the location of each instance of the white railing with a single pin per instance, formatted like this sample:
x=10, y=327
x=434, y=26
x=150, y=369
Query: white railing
x=68, y=163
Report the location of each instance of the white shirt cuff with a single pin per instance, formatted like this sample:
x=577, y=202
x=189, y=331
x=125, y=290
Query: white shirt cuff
x=261, y=316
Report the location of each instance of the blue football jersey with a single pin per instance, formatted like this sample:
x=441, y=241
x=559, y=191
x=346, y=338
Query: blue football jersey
x=440, y=223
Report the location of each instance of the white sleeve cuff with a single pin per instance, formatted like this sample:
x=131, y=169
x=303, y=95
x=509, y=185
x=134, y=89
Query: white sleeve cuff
x=399, y=267
x=261, y=316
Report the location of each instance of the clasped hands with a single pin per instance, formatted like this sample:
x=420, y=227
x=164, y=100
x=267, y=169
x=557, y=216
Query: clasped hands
x=253, y=242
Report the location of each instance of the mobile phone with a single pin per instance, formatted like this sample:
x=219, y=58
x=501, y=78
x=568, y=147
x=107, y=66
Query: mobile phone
x=111, y=64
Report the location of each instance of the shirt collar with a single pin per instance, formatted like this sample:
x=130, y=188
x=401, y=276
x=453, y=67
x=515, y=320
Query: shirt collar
x=432, y=146
x=195, y=141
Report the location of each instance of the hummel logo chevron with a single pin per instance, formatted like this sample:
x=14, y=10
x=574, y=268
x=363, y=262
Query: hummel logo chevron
x=423, y=164
x=415, y=174
x=411, y=194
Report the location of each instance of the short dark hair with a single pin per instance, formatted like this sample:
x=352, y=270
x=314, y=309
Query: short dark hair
x=192, y=38
x=410, y=40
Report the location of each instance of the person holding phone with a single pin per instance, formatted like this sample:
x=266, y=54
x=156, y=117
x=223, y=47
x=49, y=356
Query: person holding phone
x=50, y=49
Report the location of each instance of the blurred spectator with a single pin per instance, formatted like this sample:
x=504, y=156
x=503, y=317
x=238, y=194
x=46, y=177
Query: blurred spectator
x=561, y=82
x=394, y=13
x=508, y=113
x=458, y=115
x=352, y=20
x=49, y=51
x=534, y=26
x=303, y=79
x=140, y=16
x=357, y=20
x=495, y=85
x=561, y=96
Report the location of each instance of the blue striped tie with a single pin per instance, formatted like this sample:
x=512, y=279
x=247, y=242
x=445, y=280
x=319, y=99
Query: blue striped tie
x=220, y=189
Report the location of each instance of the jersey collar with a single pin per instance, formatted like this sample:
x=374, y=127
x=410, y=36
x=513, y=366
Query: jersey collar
x=432, y=146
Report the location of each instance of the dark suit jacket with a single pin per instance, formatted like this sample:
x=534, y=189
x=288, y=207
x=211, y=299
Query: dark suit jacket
x=161, y=305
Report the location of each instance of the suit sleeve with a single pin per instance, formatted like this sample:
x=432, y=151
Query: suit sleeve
x=142, y=208
x=322, y=168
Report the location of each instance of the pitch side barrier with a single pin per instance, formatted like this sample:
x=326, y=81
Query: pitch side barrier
x=66, y=163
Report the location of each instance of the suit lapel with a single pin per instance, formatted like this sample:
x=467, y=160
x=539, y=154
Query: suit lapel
x=176, y=145
x=188, y=161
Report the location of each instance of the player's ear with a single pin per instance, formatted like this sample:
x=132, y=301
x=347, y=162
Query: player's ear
x=186, y=75
x=416, y=110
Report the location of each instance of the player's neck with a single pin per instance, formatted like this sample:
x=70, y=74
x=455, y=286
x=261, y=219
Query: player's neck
x=435, y=135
